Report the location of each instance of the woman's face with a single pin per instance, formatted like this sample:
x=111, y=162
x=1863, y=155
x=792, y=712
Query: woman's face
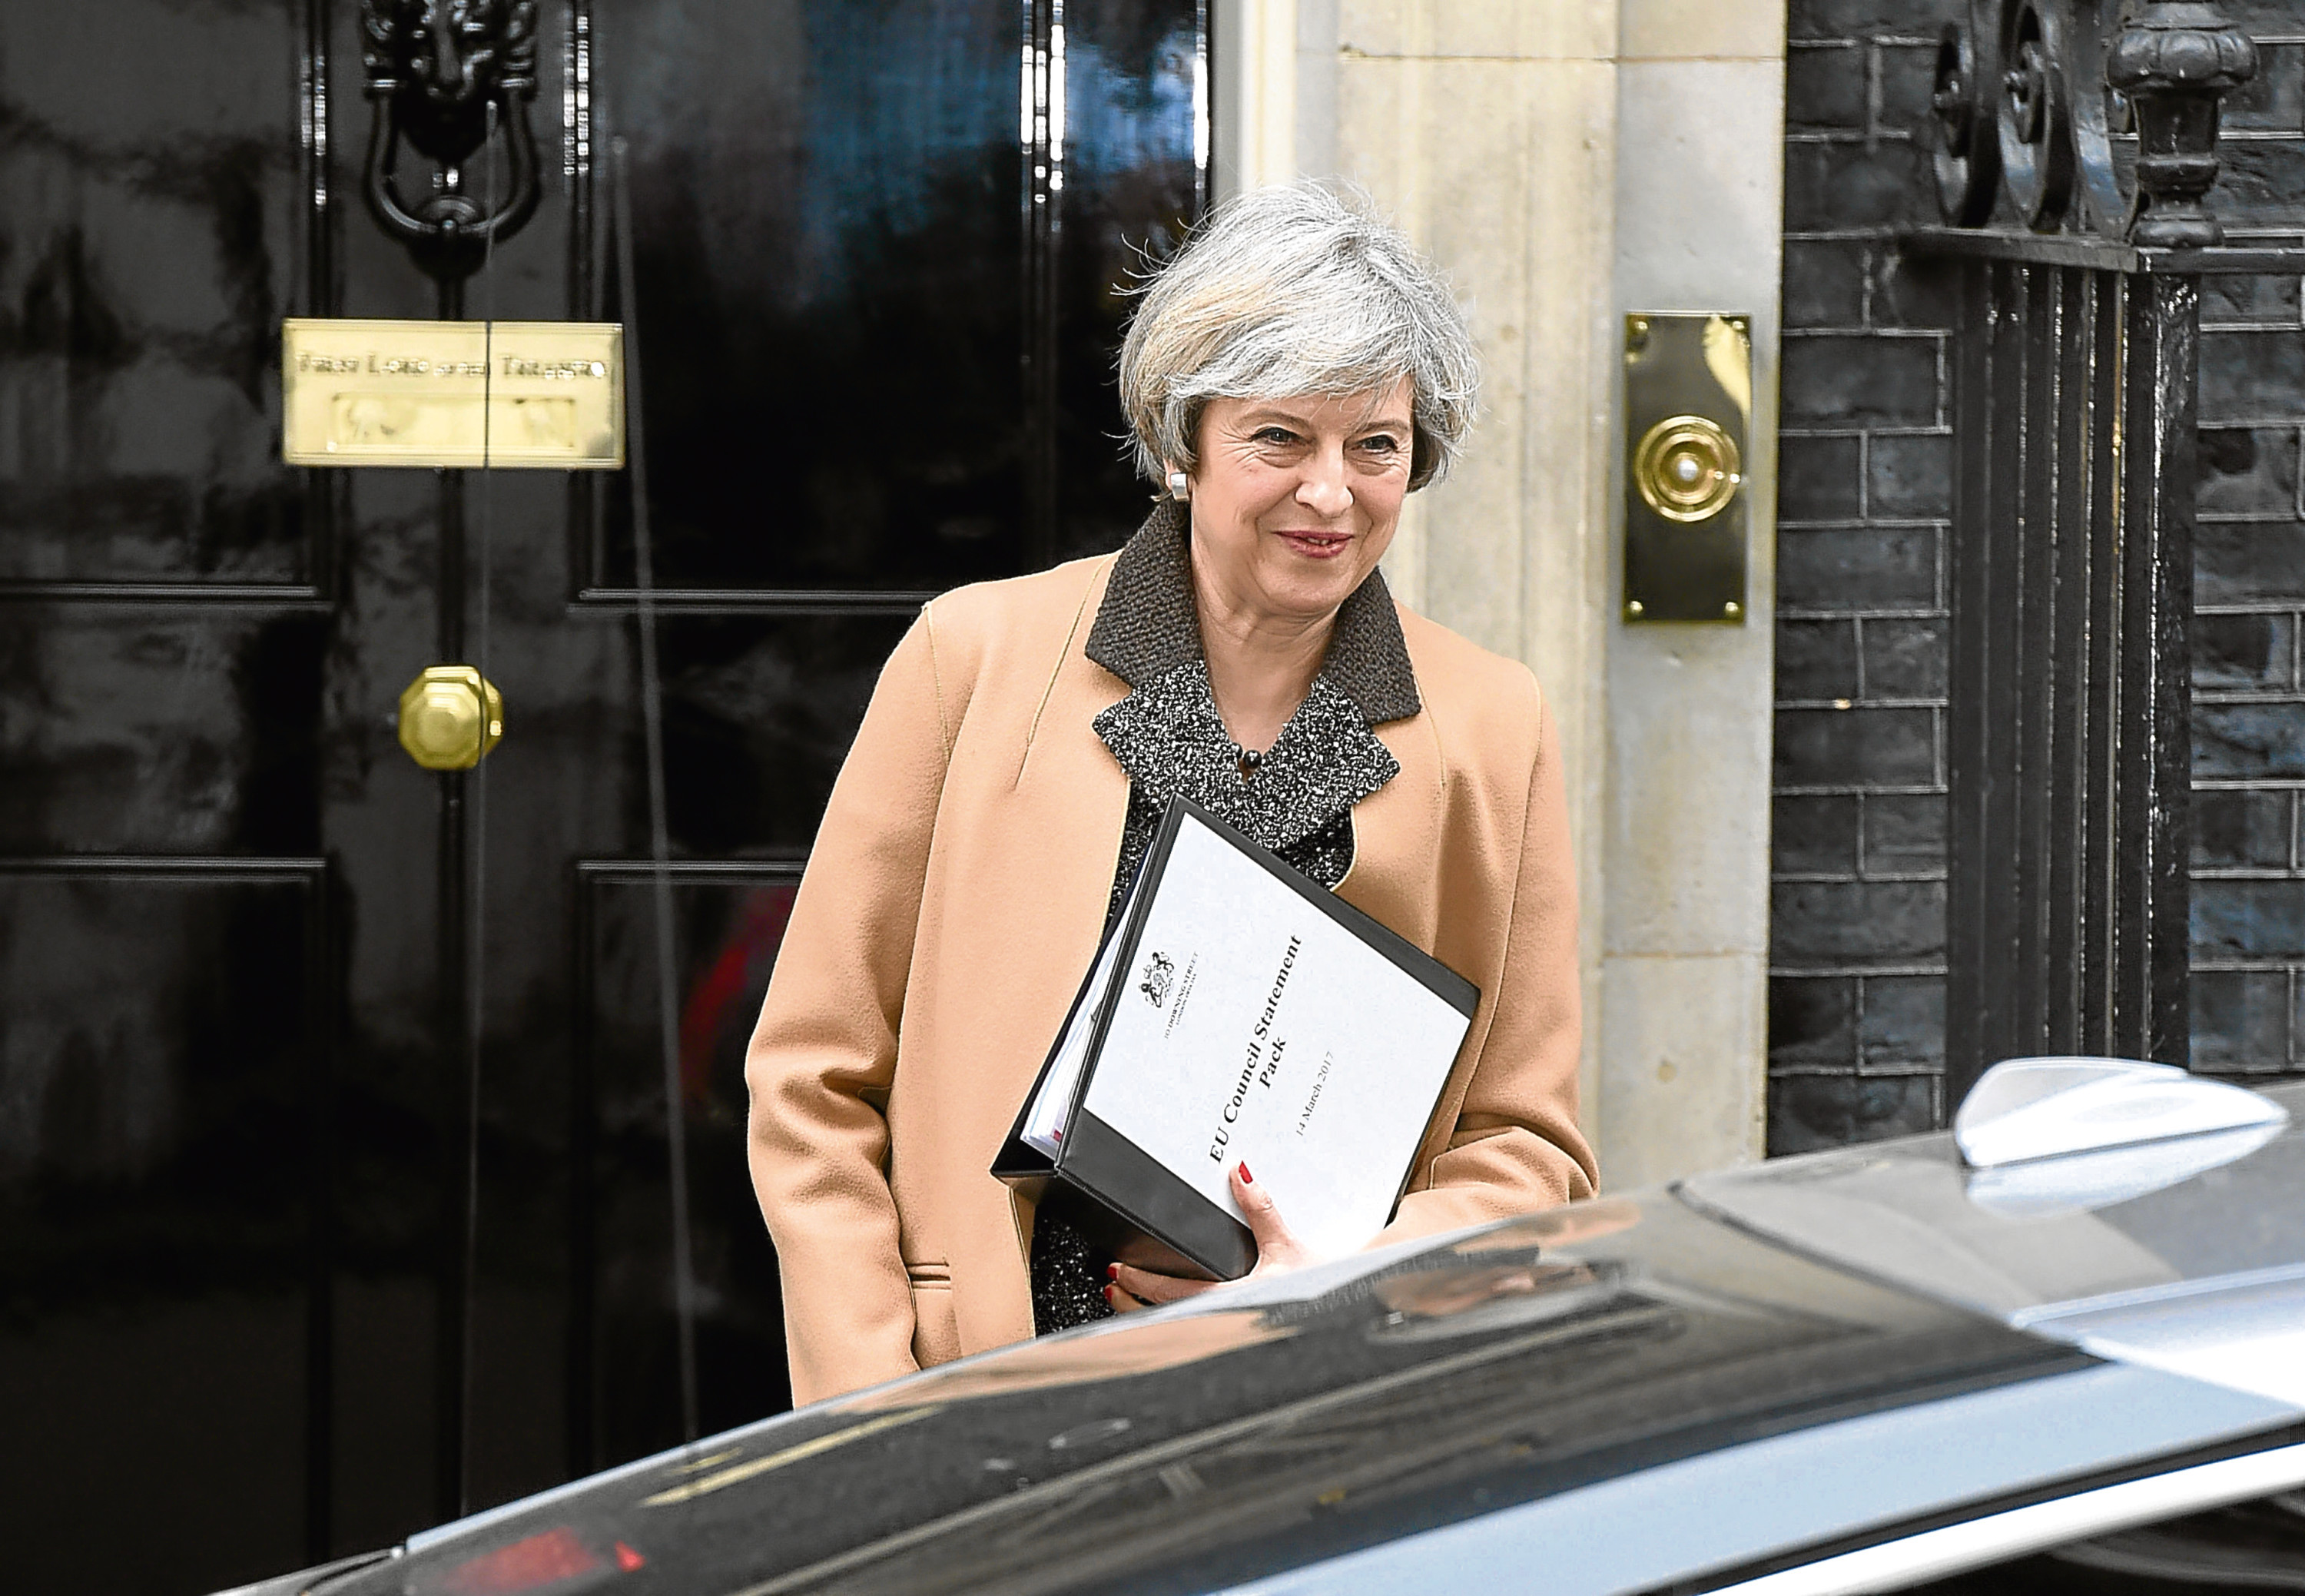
x=1295, y=499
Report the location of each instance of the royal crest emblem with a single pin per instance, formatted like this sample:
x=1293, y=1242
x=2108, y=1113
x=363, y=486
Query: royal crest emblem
x=1159, y=975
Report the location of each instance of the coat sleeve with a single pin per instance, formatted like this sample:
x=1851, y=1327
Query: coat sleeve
x=1514, y=1146
x=825, y=1050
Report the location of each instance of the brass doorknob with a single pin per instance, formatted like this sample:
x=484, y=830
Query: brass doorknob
x=450, y=716
x=1687, y=468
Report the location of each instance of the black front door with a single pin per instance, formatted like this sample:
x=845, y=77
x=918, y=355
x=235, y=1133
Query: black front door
x=291, y=1264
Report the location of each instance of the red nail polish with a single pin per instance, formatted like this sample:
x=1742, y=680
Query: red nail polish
x=1112, y=1271
x=1107, y=1293
x=1246, y=1179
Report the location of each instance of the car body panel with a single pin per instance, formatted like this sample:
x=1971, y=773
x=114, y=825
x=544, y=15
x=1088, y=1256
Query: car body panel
x=1265, y=1428
x=1811, y=1488
x=2197, y=1508
x=2186, y=1254
x=1658, y=1390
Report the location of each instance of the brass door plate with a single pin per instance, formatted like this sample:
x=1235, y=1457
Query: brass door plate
x=458, y=393
x=1689, y=398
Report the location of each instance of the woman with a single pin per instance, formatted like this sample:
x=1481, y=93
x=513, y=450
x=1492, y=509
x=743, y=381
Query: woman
x=1290, y=377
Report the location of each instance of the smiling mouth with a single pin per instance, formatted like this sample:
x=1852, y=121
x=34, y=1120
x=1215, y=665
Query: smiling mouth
x=1319, y=545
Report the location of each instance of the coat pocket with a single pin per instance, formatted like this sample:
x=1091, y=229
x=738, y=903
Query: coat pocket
x=936, y=1332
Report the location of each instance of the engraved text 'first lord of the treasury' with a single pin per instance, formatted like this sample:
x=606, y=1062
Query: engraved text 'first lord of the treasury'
x=456, y=394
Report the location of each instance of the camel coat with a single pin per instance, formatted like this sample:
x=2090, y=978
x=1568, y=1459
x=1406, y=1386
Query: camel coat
x=956, y=894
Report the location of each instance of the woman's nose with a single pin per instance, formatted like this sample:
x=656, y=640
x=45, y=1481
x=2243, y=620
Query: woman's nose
x=1324, y=490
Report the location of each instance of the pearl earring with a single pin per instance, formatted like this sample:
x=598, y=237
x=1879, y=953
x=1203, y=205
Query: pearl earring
x=1180, y=486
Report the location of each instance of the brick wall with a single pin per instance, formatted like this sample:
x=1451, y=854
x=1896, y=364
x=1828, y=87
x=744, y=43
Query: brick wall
x=1856, y=983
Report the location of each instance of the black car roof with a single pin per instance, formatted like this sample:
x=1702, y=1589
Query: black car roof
x=1311, y=1417
x=2188, y=1254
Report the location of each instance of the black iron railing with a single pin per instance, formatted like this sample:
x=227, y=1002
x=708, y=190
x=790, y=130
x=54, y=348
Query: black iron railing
x=2076, y=397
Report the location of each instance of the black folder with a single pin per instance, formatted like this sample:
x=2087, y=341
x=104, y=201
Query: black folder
x=1138, y=1208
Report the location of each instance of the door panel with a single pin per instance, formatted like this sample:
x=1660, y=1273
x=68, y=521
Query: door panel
x=272, y=1290
x=150, y=196
x=730, y=921
x=190, y=728
x=1134, y=167
x=159, y=1155
x=758, y=715
x=826, y=216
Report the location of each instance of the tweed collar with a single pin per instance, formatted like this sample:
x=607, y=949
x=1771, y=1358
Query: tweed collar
x=1167, y=735
x=1148, y=624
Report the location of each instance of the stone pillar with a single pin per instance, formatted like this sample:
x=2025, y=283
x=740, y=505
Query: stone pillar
x=1684, y=1019
x=1489, y=132
x=1507, y=137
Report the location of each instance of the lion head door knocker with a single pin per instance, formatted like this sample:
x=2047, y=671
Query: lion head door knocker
x=435, y=69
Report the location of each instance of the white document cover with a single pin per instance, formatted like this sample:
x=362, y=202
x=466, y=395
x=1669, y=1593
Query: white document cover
x=1256, y=1022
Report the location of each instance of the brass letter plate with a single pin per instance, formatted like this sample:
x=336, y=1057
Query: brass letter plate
x=459, y=394
x=1688, y=394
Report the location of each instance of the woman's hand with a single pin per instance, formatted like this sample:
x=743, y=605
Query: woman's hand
x=1277, y=1251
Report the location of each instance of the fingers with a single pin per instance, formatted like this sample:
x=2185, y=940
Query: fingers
x=1257, y=1206
x=1277, y=1246
x=1129, y=1287
x=1132, y=1287
x=1117, y=1297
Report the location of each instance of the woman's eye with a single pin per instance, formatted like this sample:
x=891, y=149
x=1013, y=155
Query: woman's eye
x=1275, y=435
x=1381, y=443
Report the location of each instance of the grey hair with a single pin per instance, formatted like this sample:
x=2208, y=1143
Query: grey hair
x=1296, y=289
